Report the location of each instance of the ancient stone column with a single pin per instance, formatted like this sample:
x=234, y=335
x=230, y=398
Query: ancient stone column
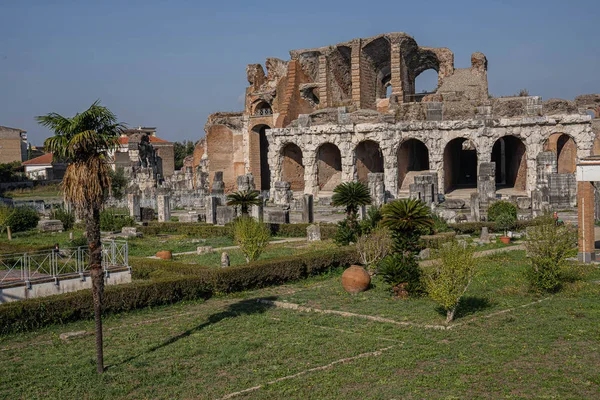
x=211, y=209
x=257, y=211
x=475, y=204
x=547, y=165
x=164, y=209
x=585, y=218
x=133, y=203
x=283, y=194
x=218, y=187
x=376, y=188
x=245, y=183
x=486, y=182
x=308, y=216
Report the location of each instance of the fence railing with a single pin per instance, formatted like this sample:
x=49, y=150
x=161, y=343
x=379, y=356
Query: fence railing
x=54, y=264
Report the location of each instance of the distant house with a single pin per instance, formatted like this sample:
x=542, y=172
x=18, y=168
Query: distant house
x=164, y=150
x=44, y=168
x=13, y=145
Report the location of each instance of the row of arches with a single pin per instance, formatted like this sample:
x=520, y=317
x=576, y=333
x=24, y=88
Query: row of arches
x=460, y=162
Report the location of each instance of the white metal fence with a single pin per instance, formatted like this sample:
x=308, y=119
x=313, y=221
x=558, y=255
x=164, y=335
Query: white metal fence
x=72, y=261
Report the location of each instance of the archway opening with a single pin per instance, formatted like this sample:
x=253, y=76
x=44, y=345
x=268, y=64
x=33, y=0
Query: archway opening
x=509, y=154
x=292, y=168
x=460, y=165
x=368, y=159
x=329, y=167
x=260, y=145
x=426, y=82
x=565, y=149
x=263, y=108
x=413, y=156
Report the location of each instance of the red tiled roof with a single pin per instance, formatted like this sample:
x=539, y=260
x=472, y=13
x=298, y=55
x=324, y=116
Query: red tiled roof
x=153, y=139
x=41, y=160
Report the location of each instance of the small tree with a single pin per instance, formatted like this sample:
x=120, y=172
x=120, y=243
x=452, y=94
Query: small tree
x=373, y=247
x=498, y=208
x=252, y=237
x=448, y=280
x=244, y=199
x=407, y=219
x=504, y=222
x=548, y=247
x=351, y=195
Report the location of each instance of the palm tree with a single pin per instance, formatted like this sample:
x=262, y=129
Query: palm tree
x=85, y=141
x=244, y=199
x=351, y=195
x=406, y=215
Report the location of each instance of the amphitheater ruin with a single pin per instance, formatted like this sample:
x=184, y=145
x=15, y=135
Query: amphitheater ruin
x=350, y=112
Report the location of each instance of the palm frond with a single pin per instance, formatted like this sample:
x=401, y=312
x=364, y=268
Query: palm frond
x=406, y=215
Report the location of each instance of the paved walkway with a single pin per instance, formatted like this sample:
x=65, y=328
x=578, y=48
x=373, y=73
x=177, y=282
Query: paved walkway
x=290, y=240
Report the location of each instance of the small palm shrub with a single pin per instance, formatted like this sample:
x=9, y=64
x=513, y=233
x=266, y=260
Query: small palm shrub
x=63, y=215
x=501, y=207
x=407, y=219
x=21, y=218
x=351, y=196
x=448, y=280
x=548, y=247
x=244, y=199
x=402, y=268
x=252, y=236
x=373, y=247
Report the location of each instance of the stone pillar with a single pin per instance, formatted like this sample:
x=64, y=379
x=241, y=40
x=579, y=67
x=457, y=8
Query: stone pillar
x=218, y=187
x=546, y=165
x=225, y=215
x=283, y=194
x=257, y=211
x=211, y=209
x=585, y=217
x=376, y=188
x=164, y=208
x=396, y=71
x=246, y=183
x=475, y=207
x=424, y=189
x=133, y=202
x=308, y=216
x=486, y=182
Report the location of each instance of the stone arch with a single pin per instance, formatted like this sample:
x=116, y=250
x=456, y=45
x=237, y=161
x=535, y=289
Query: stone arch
x=510, y=155
x=259, y=156
x=419, y=65
x=368, y=158
x=329, y=166
x=377, y=55
x=565, y=148
x=292, y=167
x=591, y=112
x=460, y=164
x=262, y=108
x=412, y=155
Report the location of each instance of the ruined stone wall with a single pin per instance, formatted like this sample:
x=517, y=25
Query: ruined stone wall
x=534, y=132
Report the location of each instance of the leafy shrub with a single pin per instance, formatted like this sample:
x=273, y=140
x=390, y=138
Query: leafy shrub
x=118, y=183
x=346, y=233
x=372, y=219
x=402, y=268
x=448, y=279
x=63, y=215
x=373, y=247
x=439, y=224
x=504, y=222
x=548, y=247
x=252, y=237
x=111, y=221
x=22, y=219
x=501, y=207
x=177, y=282
x=436, y=241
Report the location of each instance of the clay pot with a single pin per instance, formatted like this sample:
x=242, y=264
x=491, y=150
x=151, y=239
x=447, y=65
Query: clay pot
x=355, y=279
x=505, y=239
x=165, y=255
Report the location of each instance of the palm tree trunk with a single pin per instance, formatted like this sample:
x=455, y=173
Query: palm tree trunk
x=97, y=274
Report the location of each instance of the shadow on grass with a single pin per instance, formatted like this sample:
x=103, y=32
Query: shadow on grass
x=468, y=305
x=244, y=307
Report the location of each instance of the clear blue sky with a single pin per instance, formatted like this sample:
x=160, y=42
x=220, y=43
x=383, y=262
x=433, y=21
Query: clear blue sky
x=171, y=63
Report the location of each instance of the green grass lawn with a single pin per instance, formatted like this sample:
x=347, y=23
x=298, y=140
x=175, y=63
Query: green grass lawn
x=208, y=350
x=50, y=192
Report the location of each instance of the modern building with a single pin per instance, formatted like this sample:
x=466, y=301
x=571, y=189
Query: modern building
x=44, y=168
x=13, y=145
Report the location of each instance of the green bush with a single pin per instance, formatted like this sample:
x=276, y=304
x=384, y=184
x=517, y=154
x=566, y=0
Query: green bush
x=447, y=280
x=501, y=207
x=402, y=268
x=299, y=230
x=168, y=282
x=251, y=236
x=436, y=241
x=66, y=217
x=548, y=247
x=439, y=224
x=504, y=222
x=112, y=221
x=346, y=233
x=22, y=219
x=372, y=219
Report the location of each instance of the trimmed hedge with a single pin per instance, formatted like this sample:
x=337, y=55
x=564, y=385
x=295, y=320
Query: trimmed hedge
x=177, y=282
x=205, y=231
x=475, y=227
